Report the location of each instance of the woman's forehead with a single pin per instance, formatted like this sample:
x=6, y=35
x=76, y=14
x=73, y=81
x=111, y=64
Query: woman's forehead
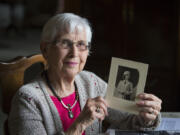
x=75, y=35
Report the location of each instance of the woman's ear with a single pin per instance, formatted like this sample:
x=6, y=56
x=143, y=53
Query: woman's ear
x=44, y=49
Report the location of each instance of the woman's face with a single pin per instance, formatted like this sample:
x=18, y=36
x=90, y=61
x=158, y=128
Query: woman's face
x=68, y=61
x=127, y=76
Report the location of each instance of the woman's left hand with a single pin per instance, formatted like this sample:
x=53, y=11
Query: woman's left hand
x=149, y=106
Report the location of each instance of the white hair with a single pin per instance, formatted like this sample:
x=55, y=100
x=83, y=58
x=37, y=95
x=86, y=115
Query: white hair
x=65, y=23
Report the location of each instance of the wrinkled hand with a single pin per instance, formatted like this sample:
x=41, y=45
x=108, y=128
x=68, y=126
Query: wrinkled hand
x=149, y=106
x=95, y=108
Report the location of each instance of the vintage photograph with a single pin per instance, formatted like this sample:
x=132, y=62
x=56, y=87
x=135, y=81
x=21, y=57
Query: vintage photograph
x=126, y=80
x=126, y=83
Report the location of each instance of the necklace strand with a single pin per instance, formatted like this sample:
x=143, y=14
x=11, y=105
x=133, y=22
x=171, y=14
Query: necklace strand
x=68, y=106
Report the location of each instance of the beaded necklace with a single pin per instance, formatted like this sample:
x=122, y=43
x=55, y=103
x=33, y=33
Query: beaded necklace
x=68, y=106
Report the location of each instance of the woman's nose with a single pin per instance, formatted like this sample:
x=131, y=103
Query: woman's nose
x=74, y=50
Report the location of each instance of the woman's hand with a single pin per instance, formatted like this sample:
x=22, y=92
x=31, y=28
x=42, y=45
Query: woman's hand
x=95, y=108
x=149, y=106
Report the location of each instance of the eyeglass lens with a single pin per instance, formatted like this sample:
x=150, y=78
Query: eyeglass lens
x=81, y=45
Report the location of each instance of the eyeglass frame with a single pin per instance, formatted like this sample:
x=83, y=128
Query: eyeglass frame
x=71, y=43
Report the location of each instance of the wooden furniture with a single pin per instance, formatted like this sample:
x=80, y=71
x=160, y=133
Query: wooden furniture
x=12, y=77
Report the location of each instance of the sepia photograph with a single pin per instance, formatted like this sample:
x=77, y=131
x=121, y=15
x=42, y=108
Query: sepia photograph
x=126, y=80
x=126, y=83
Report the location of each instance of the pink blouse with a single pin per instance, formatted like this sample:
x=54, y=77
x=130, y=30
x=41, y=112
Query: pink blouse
x=63, y=112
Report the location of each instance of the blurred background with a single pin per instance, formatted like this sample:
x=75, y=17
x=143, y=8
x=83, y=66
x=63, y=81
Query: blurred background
x=140, y=30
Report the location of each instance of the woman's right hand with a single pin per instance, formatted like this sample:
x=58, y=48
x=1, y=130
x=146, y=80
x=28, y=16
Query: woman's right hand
x=95, y=108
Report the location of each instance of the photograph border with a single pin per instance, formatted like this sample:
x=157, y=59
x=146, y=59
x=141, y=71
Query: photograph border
x=119, y=103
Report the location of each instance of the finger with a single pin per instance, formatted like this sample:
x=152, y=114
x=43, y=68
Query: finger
x=104, y=108
x=100, y=99
x=149, y=110
x=146, y=109
x=97, y=114
x=148, y=103
x=156, y=112
x=102, y=118
x=148, y=116
x=100, y=102
x=100, y=115
x=101, y=108
x=89, y=111
x=95, y=103
x=145, y=96
x=89, y=102
x=153, y=104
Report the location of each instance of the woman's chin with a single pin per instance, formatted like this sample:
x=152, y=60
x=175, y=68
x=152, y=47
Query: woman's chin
x=71, y=72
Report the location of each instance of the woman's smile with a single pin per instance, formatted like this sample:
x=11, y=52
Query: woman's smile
x=71, y=64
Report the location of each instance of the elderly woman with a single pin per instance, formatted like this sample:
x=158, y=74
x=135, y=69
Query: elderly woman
x=64, y=99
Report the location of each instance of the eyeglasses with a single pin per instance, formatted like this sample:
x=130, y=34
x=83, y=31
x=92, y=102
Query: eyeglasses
x=67, y=44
